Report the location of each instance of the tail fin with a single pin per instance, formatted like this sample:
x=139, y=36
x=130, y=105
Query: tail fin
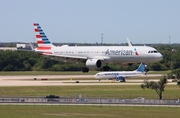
x=141, y=67
x=42, y=41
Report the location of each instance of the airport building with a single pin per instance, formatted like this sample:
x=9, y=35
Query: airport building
x=18, y=47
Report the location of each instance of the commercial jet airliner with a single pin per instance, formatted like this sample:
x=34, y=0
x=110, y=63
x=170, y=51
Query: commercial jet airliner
x=121, y=75
x=94, y=56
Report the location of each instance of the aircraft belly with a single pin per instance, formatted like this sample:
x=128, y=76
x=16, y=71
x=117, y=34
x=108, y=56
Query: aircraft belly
x=125, y=59
x=132, y=59
x=112, y=77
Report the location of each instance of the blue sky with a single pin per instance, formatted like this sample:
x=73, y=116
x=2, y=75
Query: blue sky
x=83, y=21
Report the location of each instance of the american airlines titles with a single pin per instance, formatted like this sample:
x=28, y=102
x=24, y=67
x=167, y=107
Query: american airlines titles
x=118, y=52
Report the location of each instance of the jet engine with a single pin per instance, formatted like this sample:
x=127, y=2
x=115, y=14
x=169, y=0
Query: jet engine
x=121, y=79
x=93, y=63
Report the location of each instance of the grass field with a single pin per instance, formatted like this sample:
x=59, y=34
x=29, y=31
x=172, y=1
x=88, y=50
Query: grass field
x=159, y=72
x=68, y=111
x=85, y=111
x=47, y=73
x=63, y=73
x=92, y=78
x=115, y=91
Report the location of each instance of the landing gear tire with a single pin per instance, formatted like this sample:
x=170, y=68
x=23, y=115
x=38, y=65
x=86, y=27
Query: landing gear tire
x=106, y=68
x=123, y=80
x=146, y=70
x=130, y=64
x=85, y=70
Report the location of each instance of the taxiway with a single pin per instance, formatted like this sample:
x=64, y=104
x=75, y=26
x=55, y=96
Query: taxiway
x=64, y=80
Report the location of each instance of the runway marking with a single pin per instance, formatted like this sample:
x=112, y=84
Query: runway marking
x=29, y=81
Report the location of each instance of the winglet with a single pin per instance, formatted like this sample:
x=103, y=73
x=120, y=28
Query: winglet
x=129, y=43
x=32, y=47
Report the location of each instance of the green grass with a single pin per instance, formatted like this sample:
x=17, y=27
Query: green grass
x=63, y=72
x=47, y=73
x=68, y=111
x=159, y=72
x=85, y=111
x=76, y=78
x=115, y=91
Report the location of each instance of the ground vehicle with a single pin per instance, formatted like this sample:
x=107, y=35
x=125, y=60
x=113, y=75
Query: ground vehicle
x=139, y=98
x=52, y=96
x=178, y=101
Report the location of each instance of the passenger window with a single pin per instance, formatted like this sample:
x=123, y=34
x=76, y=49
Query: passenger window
x=155, y=51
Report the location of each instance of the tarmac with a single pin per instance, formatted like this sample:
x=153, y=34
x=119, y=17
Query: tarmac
x=65, y=80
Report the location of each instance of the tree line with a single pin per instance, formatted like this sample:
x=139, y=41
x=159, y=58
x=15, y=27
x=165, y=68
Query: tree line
x=31, y=61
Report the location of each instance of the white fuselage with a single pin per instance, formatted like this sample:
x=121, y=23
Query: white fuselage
x=115, y=74
x=119, y=54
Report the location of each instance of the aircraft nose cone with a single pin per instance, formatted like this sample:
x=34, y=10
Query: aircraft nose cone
x=160, y=57
x=95, y=76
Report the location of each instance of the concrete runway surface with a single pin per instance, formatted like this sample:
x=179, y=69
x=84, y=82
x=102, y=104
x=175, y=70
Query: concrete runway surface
x=65, y=80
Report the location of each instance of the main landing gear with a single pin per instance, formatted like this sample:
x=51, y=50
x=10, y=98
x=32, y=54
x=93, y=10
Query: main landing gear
x=122, y=80
x=130, y=64
x=106, y=68
x=146, y=70
x=85, y=70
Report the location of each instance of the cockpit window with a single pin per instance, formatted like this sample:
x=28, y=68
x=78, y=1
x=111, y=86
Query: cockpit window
x=155, y=51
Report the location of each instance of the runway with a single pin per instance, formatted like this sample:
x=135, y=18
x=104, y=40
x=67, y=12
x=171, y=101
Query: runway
x=65, y=80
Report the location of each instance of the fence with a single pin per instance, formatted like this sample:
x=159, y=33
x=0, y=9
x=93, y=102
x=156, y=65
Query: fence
x=81, y=100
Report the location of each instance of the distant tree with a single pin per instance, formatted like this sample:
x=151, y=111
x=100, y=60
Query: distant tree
x=31, y=61
x=157, y=66
x=176, y=72
x=157, y=86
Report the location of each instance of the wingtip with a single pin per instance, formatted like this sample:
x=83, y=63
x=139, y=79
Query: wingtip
x=128, y=41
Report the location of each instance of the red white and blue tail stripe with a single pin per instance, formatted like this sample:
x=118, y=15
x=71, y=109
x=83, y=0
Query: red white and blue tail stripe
x=42, y=40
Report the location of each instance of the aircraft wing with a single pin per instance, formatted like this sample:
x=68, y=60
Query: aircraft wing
x=129, y=43
x=126, y=76
x=71, y=58
x=68, y=56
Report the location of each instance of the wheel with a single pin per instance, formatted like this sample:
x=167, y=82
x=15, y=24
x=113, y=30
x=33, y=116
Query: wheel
x=85, y=70
x=130, y=64
x=106, y=68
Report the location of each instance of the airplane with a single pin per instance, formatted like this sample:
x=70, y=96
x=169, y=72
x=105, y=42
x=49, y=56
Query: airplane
x=121, y=75
x=94, y=56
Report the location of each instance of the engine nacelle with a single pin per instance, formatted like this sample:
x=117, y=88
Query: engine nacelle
x=93, y=63
x=121, y=79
